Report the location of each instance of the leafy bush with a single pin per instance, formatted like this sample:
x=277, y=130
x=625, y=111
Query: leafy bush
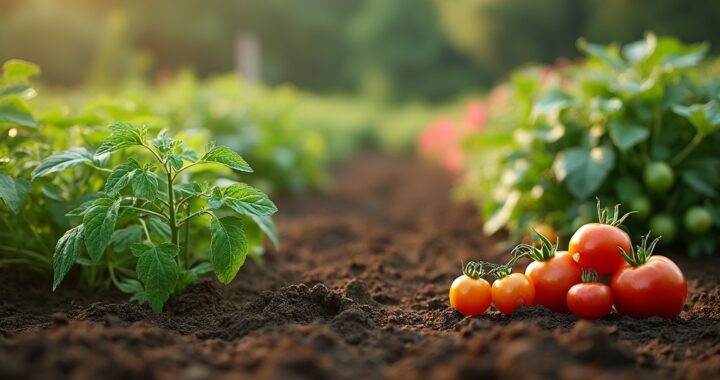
x=637, y=125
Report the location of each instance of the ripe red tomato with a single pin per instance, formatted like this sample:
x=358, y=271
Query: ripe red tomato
x=595, y=246
x=470, y=296
x=590, y=300
x=655, y=287
x=512, y=291
x=552, y=279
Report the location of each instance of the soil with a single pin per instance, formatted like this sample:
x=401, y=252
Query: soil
x=358, y=291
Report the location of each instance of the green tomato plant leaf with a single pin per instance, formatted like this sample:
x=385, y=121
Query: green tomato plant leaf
x=158, y=271
x=243, y=199
x=67, y=251
x=145, y=184
x=627, y=136
x=14, y=191
x=227, y=157
x=61, y=161
x=584, y=170
x=122, y=135
x=99, y=223
x=228, y=247
x=120, y=177
x=14, y=110
x=268, y=227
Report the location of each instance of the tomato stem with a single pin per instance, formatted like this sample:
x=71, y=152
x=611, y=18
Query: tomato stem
x=589, y=276
x=474, y=269
x=545, y=252
x=642, y=254
x=616, y=220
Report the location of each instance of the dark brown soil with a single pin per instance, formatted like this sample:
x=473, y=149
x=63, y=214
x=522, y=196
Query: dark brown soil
x=359, y=291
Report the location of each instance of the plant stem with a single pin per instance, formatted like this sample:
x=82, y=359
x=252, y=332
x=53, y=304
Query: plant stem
x=688, y=149
x=146, y=211
x=187, y=218
x=188, y=166
x=171, y=201
x=187, y=239
x=147, y=233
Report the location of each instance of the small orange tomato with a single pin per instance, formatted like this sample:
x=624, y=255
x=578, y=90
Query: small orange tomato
x=512, y=292
x=470, y=296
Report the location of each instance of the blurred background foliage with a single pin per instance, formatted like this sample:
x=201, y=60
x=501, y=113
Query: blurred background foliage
x=388, y=50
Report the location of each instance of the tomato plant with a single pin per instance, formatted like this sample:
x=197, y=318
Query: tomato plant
x=648, y=285
x=470, y=293
x=637, y=124
x=595, y=245
x=147, y=204
x=552, y=273
x=590, y=299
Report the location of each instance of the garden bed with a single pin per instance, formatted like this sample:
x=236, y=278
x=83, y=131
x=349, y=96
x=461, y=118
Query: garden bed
x=359, y=290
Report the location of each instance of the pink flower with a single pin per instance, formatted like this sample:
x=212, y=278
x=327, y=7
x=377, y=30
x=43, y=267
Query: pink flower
x=441, y=136
x=476, y=116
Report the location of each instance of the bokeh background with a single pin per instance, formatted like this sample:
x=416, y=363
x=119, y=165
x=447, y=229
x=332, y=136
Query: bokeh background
x=400, y=50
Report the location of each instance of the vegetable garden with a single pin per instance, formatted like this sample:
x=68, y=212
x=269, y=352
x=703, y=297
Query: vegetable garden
x=193, y=228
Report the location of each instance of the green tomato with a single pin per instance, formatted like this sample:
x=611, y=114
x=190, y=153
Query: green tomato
x=697, y=220
x=665, y=226
x=642, y=206
x=658, y=177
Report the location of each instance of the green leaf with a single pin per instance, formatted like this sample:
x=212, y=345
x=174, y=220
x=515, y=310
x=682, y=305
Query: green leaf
x=698, y=181
x=704, y=117
x=81, y=210
x=551, y=104
x=175, y=162
x=268, y=227
x=67, y=250
x=17, y=70
x=145, y=184
x=609, y=55
x=121, y=177
x=159, y=228
x=158, y=271
x=640, y=50
x=227, y=157
x=14, y=191
x=14, y=110
x=627, y=136
x=14, y=90
x=61, y=161
x=228, y=247
x=124, y=237
x=123, y=135
x=134, y=287
x=584, y=170
x=99, y=224
x=243, y=199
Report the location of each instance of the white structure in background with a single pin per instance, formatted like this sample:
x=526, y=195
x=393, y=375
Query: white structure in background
x=247, y=57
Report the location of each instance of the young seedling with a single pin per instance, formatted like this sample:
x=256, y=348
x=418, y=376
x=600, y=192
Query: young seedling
x=148, y=196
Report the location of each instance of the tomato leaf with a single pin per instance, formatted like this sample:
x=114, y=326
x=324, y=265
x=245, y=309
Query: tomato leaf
x=14, y=110
x=14, y=191
x=584, y=170
x=627, y=136
x=122, y=238
x=228, y=247
x=17, y=70
x=227, y=157
x=145, y=184
x=61, y=161
x=158, y=271
x=121, y=177
x=243, y=199
x=268, y=227
x=67, y=251
x=122, y=135
x=99, y=224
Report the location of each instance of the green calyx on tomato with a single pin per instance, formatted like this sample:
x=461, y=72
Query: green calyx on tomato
x=544, y=252
x=697, y=220
x=658, y=177
x=474, y=270
x=642, y=254
x=616, y=219
x=589, y=276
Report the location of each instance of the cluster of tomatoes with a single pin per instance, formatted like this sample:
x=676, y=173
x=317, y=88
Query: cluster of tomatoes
x=640, y=285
